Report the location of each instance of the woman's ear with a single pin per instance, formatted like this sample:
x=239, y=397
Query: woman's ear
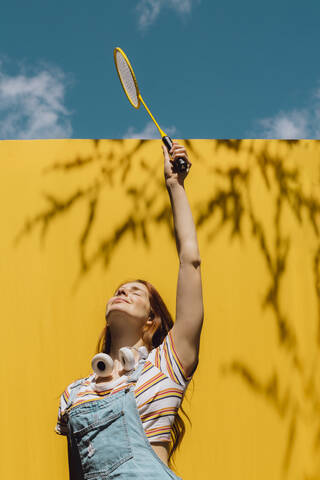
x=150, y=318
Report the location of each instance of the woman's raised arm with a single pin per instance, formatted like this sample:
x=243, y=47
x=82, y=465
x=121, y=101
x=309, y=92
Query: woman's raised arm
x=189, y=303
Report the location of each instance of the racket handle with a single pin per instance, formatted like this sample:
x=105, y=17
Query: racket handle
x=180, y=165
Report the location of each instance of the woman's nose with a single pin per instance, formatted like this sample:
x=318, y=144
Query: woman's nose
x=122, y=290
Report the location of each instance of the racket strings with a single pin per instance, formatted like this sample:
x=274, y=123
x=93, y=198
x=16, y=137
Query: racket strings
x=127, y=78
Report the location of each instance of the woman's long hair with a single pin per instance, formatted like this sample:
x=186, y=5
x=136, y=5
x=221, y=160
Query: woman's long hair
x=152, y=337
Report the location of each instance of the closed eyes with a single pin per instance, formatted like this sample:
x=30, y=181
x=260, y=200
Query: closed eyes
x=137, y=293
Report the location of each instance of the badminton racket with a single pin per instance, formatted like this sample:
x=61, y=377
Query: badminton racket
x=130, y=86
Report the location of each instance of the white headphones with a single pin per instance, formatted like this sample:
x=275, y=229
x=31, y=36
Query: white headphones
x=102, y=365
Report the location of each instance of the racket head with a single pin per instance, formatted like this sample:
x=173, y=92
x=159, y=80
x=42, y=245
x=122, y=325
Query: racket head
x=127, y=77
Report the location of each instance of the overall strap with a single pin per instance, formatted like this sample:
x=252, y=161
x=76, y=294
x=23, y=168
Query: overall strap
x=133, y=377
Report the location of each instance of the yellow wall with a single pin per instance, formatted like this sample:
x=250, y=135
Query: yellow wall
x=255, y=398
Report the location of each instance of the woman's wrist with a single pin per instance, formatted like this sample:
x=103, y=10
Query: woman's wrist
x=172, y=183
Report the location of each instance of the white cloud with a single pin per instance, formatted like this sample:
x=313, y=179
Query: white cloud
x=149, y=132
x=292, y=124
x=32, y=107
x=148, y=10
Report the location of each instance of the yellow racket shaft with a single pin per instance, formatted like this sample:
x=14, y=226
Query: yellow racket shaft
x=180, y=164
x=160, y=130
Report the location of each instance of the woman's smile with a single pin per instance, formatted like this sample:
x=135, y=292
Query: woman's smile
x=120, y=300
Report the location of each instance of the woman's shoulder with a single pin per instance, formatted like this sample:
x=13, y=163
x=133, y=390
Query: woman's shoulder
x=165, y=359
x=77, y=382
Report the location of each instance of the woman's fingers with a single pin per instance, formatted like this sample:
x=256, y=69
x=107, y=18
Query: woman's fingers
x=176, y=151
x=177, y=148
x=179, y=151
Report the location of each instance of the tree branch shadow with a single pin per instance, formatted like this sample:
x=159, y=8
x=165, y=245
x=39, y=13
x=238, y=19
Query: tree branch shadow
x=225, y=208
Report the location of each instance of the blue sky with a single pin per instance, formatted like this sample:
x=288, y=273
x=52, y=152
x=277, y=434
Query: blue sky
x=206, y=69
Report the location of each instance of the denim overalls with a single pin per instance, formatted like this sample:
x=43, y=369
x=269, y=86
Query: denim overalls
x=106, y=439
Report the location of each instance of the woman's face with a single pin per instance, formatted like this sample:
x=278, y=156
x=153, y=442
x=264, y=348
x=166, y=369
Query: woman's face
x=130, y=303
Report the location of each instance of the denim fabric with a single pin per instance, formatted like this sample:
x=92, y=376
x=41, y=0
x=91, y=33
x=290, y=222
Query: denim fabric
x=106, y=439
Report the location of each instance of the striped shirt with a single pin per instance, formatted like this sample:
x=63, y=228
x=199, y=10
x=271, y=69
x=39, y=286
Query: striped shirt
x=159, y=392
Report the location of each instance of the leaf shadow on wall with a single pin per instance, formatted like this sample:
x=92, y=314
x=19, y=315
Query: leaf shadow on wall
x=281, y=395
x=224, y=208
x=134, y=222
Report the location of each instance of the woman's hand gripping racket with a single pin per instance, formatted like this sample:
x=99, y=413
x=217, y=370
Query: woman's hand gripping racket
x=130, y=86
x=177, y=151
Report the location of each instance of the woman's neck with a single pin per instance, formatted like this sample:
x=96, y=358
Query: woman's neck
x=118, y=343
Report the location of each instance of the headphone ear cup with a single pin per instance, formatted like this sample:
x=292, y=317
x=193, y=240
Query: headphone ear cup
x=102, y=364
x=127, y=358
x=143, y=352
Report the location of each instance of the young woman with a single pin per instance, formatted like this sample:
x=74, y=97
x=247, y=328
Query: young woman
x=125, y=424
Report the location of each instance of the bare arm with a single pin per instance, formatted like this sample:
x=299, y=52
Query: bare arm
x=189, y=303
